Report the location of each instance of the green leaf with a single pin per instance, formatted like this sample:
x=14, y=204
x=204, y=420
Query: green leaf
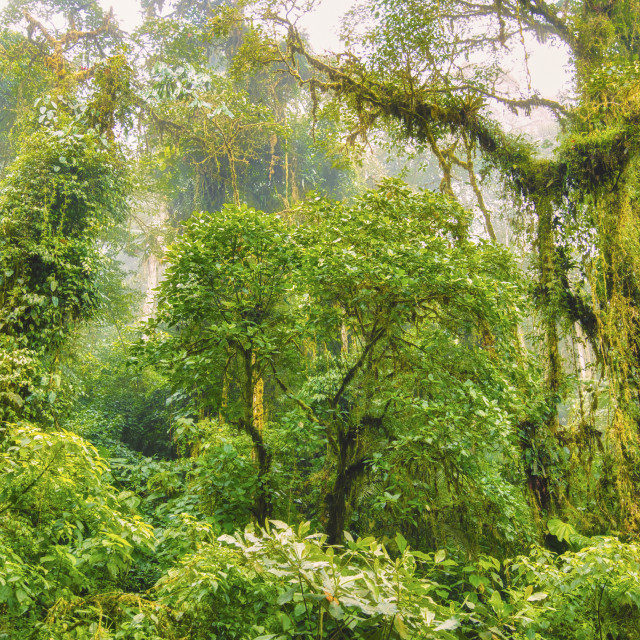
x=138, y=618
x=287, y=596
x=400, y=627
x=560, y=530
x=448, y=625
x=475, y=580
x=286, y=621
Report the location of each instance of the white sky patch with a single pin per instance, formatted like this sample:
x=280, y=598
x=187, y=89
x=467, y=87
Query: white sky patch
x=128, y=14
x=323, y=24
x=551, y=71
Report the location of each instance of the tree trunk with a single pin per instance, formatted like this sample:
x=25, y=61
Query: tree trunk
x=535, y=458
x=152, y=266
x=346, y=476
x=337, y=505
x=548, y=306
x=262, y=507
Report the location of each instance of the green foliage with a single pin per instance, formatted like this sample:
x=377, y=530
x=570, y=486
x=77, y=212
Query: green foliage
x=115, y=406
x=227, y=278
x=59, y=196
x=62, y=194
x=21, y=83
x=361, y=365
x=428, y=360
x=63, y=529
x=590, y=593
x=23, y=381
x=285, y=584
x=378, y=329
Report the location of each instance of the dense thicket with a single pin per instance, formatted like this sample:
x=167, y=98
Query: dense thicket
x=352, y=410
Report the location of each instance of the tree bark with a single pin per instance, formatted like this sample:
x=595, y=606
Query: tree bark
x=262, y=506
x=337, y=500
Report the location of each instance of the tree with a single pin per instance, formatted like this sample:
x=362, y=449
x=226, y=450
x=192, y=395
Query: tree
x=351, y=316
x=213, y=136
x=224, y=294
x=60, y=196
x=415, y=308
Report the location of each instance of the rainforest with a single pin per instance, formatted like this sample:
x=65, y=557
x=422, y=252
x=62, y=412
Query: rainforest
x=320, y=340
